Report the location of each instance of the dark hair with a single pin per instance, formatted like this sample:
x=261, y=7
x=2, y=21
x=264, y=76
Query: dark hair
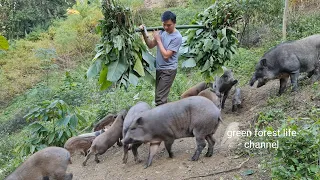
x=168, y=15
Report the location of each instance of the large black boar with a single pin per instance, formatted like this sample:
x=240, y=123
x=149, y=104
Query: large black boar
x=134, y=111
x=194, y=116
x=289, y=59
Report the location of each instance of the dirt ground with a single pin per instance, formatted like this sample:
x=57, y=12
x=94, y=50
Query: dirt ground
x=179, y=167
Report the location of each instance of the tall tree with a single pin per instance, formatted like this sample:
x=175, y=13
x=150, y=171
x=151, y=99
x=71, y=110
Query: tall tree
x=19, y=17
x=285, y=20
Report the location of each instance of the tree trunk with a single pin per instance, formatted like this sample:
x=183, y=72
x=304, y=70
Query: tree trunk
x=285, y=19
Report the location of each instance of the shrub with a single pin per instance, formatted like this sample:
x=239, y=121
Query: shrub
x=298, y=157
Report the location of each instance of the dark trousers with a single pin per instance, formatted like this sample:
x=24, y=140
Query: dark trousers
x=164, y=80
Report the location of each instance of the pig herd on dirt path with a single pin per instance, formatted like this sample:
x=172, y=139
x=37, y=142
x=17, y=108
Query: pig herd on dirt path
x=197, y=114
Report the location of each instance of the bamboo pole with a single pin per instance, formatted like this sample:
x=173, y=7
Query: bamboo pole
x=177, y=27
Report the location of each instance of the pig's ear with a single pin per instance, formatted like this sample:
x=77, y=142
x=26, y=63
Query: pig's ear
x=140, y=121
x=263, y=62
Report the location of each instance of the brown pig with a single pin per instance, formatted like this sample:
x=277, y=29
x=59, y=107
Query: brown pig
x=107, y=139
x=208, y=93
x=78, y=143
x=134, y=111
x=195, y=90
x=107, y=120
x=194, y=116
x=48, y=163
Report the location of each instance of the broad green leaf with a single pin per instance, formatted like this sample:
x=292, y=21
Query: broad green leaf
x=314, y=168
x=148, y=58
x=133, y=79
x=103, y=74
x=4, y=44
x=183, y=49
x=94, y=69
x=116, y=69
x=32, y=148
x=73, y=121
x=64, y=121
x=207, y=46
x=34, y=127
x=224, y=41
x=189, y=63
x=81, y=118
x=118, y=42
x=106, y=84
x=148, y=77
x=224, y=32
x=221, y=51
x=60, y=135
x=139, y=68
x=50, y=138
x=108, y=48
x=206, y=66
x=216, y=44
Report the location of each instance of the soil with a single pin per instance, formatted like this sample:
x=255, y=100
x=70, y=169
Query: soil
x=179, y=167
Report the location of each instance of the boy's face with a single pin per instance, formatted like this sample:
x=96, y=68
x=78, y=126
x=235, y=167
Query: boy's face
x=168, y=26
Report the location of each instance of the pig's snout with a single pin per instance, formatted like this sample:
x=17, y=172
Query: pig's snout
x=127, y=141
x=234, y=82
x=252, y=81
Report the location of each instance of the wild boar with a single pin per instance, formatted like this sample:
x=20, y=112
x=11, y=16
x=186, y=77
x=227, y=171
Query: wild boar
x=48, y=163
x=196, y=89
x=133, y=112
x=208, y=93
x=107, y=139
x=222, y=85
x=289, y=59
x=194, y=116
x=236, y=100
x=107, y=120
x=78, y=143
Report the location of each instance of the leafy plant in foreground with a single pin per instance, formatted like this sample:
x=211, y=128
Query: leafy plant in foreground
x=55, y=122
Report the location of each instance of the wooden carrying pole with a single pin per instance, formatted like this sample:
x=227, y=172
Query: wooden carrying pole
x=177, y=27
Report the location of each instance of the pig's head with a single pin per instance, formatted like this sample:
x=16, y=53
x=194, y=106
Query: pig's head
x=262, y=74
x=225, y=82
x=138, y=132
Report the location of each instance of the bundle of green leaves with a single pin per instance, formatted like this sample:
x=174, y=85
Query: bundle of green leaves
x=211, y=47
x=121, y=56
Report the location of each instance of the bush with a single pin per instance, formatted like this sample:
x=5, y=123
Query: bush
x=298, y=157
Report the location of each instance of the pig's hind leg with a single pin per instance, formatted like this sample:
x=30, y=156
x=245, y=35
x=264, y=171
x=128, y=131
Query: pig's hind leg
x=211, y=141
x=201, y=143
x=168, y=145
x=152, y=151
x=283, y=84
x=125, y=153
x=294, y=80
x=135, y=152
